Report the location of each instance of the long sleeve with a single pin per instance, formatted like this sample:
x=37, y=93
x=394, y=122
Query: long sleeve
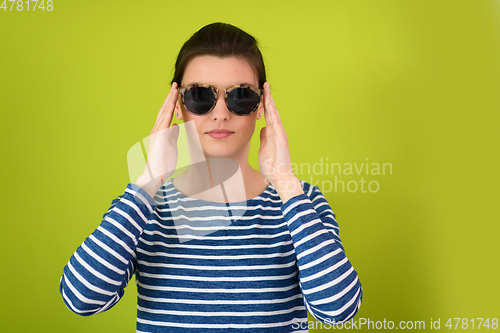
x=96, y=275
x=330, y=286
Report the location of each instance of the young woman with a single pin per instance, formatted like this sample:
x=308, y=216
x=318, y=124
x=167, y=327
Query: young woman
x=222, y=247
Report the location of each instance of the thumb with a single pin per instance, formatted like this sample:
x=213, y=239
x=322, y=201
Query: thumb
x=174, y=133
x=263, y=136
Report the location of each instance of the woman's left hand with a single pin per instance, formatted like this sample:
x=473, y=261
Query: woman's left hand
x=274, y=154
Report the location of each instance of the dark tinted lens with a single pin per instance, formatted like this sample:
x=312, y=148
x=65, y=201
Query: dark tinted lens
x=243, y=100
x=199, y=100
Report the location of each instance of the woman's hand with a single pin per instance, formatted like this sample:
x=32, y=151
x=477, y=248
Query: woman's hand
x=274, y=154
x=162, y=151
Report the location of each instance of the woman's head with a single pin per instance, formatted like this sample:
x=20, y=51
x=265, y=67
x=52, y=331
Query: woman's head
x=221, y=40
x=221, y=55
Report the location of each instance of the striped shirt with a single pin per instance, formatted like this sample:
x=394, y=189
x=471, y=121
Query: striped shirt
x=249, y=266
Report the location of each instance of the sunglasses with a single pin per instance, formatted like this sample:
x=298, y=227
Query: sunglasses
x=200, y=99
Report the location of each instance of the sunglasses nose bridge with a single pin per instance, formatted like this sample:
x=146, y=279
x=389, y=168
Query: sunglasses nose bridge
x=217, y=92
x=223, y=103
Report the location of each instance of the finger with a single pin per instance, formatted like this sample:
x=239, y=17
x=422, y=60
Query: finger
x=270, y=135
x=166, y=113
x=275, y=109
x=267, y=105
x=169, y=112
x=168, y=99
x=158, y=123
x=263, y=137
x=271, y=114
x=277, y=131
x=165, y=119
x=161, y=113
x=173, y=89
x=174, y=133
x=272, y=106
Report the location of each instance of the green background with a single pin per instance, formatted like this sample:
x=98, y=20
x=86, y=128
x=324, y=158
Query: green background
x=411, y=83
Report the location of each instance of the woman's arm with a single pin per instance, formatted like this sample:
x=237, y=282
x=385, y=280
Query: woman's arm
x=330, y=286
x=96, y=275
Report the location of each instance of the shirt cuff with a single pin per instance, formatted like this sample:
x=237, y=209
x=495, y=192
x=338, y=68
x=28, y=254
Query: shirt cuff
x=290, y=208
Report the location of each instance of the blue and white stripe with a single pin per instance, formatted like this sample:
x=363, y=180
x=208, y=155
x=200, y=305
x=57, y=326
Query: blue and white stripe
x=198, y=268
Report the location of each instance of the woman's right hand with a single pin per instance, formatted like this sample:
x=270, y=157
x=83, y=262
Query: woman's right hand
x=162, y=151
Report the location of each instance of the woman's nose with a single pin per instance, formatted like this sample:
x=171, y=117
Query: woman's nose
x=220, y=110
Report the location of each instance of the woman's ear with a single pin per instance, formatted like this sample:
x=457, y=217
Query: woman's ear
x=260, y=109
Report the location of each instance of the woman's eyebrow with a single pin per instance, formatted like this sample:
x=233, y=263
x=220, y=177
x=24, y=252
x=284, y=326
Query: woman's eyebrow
x=191, y=84
x=246, y=83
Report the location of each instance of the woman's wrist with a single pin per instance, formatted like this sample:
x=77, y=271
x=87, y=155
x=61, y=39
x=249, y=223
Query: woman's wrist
x=149, y=185
x=288, y=188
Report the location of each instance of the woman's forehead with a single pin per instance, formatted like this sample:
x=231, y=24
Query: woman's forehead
x=220, y=72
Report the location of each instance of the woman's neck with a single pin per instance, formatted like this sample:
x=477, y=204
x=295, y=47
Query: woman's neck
x=205, y=180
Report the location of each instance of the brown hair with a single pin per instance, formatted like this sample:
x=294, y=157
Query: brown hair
x=221, y=40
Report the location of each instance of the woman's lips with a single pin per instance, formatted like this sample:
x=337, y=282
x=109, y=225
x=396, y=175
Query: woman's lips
x=219, y=134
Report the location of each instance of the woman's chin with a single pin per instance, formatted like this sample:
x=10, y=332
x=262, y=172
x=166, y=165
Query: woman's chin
x=218, y=152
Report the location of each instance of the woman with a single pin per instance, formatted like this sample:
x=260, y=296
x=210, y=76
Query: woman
x=222, y=246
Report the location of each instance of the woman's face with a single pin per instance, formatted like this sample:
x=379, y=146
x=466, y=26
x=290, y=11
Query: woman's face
x=221, y=73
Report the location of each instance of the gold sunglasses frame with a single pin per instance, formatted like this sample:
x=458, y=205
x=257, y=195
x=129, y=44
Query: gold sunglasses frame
x=215, y=91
